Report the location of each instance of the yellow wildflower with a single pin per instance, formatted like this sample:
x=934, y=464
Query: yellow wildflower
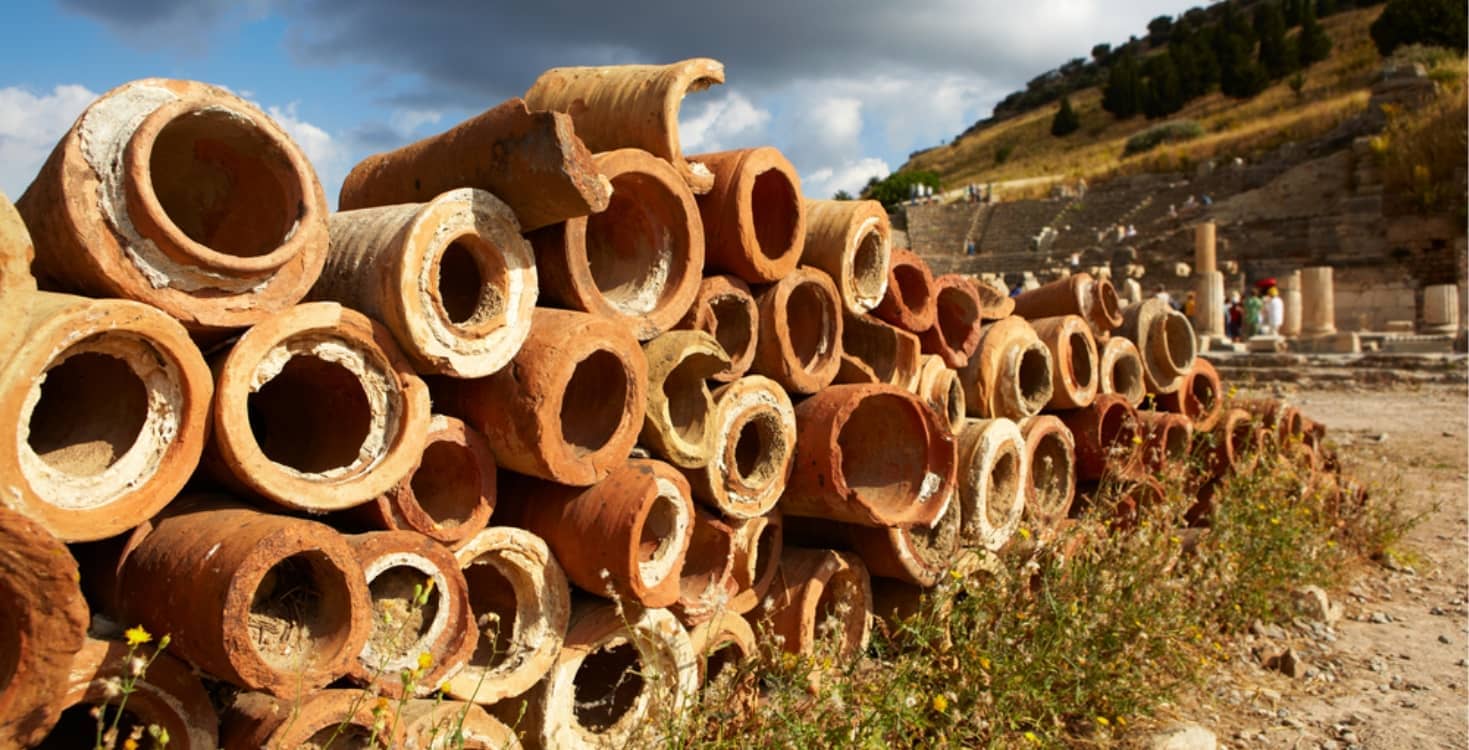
x=984, y=663
x=940, y=703
x=137, y=635
x=1024, y=532
x=1103, y=721
x=425, y=660
x=130, y=744
x=1031, y=736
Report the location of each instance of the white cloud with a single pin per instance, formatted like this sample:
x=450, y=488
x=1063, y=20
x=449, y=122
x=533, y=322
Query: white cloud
x=408, y=121
x=849, y=175
x=327, y=153
x=731, y=121
x=30, y=126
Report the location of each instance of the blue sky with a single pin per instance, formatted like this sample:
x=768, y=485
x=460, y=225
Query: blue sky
x=846, y=88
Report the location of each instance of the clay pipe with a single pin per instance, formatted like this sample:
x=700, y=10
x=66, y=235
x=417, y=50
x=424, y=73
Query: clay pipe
x=1079, y=294
x=725, y=308
x=1167, y=440
x=1009, y=375
x=679, y=421
x=16, y=255
x=533, y=161
x=639, y=261
x=939, y=386
x=850, y=241
x=185, y=197
x=1121, y=371
x=818, y=594
x=1165, y=341
x=1050, y=458
x=636, y=106
x=1200, y=397
x=992, y=482
x=957, y=320
x=800, y=344
x=1074, y=360
x=872, y=455
x=316, y=410
x=722, y=644
x=706, y=580
x=918, y=554
x=910, y=302
x=569, y=406
x=754, y=218
x=325, y=718
x=1226, y=448
x=753, y=444
x=451, y=278
x=758, y=543
x=875, y=352
x=440, y=725
x=1107, y=437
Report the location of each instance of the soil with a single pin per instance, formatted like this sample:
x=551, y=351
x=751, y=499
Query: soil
x=1391, y=673
x=398, y=623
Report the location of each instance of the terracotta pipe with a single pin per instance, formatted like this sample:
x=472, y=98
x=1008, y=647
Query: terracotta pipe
x=753, y=444
x=758, y=544
x=1165, y=341
x=621, y=675
x=1224, y=449
x=399, y=566
x=919, y=555
x=1199, y=397
x=569, y=406
x=1121, y=371
x=316, y=410
x=1050, y=485
x=16, y=255
x=910, y=302
x=851, y=242
x=706, y=579
x=992, y=482
x=818, y=596
x=1009, y=375
x=1107, y=435
x=106, y=404
x=640, y=516
x=1074, y=360
x=722, y=645
x=875, y=352
x=448, y=496
x=167, y=696
x=639, y=261
x=448, y=725
x=1078, y=294
x=1134, y=501
x=725, y=309
x=42, y=627
x=800, y=344
x=291, y=606
x=521, y=603
x=636, y=106
x=870, y=454
x=754, y=218
x=679, y=420
x=183, y=196
x=451, y=278
x=326, y=718
x=1266, y=411
x=957, y=320
x=1167, y=441
x=939, y=387
x=994, y=303
x=533, y=161
x=1291, y=423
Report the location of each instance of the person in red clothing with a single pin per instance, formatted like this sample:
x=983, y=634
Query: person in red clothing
x=1235, y=317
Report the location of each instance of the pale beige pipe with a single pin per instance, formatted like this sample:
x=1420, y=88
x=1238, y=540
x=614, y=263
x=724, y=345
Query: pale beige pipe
x=679, y=420
x=851, y=242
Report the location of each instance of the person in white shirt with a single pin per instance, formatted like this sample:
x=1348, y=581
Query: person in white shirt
x=1274, y=311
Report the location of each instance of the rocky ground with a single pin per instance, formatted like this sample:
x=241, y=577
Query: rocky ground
x=1383, y=663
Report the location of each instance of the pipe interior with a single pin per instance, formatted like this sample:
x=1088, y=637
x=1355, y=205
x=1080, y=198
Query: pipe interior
x=1175, y=442
x=1117, y=431
x=1034, y=378
x=10, y=636
x=91, y=411
x=775, y=208
x=707, y=559
x=593, y=402
x=840, y=611
x=313, y=416
x=1083, y=368
x=1127, y=377
x=1106, y=297
x=689, y=402
x=636, y=246
x=953, y=397
x=884, y=449
x=875, y=346
x=494, y=604
x=910, y=286
x=300, y=613
x=346, y=735
x=733, y=325
x=657, y=539
x=958, y=313
x=724, y=658
x=1204, y=394
x=758, y=449
x=225, y=184
x=78, y=728
x=472, y=283
x=1051, y=472
x=446, y=484
x=399, y=624
x=810, y=317
x=1004, y=481
x=1178, y=342
x=767, y=552
x=869, y=268
x=607, y=685
x=935, y=545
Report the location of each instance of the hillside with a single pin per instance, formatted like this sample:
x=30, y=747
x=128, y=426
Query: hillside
x=1023, y=147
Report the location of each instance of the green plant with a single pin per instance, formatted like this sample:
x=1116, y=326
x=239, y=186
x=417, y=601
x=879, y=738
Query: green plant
x=134, y=668
x=1440, y=23
x=1168, y=132
x=1066, y=120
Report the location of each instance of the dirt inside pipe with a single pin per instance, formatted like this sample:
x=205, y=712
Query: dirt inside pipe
x=1175, y=443
x=756, y=449
x=630, y=247
x=78, y=728
x=399, y=623
x=225, y=183
x=1034, y=378
x=656, y=539
x=1051, y=472
x=1178, y=342
x=869, y=271
x=724, y=658
x=91, y=411
x=591, y=408
x=1203, y=393
x=1082, y=369
x=1004, y=480
x=607, y=685
x=957, y=313
x=313, y=416
x=299, y=613
x=446, y=483
x=884, y=446
x=702, y=567
x=492, y=599
x=775, y=208
x=911, y=287
x=1127, y=376
x=341, y=737
x=809, y=315
x=688, y=398
x=472, y=283
x=732, y=325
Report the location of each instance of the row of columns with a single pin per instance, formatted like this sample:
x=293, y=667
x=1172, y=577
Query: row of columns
x=1308, y=294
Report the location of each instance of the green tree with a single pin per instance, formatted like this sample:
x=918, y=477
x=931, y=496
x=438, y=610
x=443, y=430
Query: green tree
x=1162, y=95
x=1313, y=45
x=1122, y=95
x=841, y=195
x=1240, y=74
x=892, y=190
x=1158, y=29
x=1101, y=52
x=1066, y=120
x=1439, y=23
x=1274, y=51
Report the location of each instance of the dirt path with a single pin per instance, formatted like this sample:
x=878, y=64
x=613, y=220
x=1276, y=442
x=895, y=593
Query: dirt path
x=1391, y=673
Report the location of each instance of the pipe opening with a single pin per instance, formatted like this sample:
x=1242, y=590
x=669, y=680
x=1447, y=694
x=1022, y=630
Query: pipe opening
x=757, y=449
x=1107, y=302
x=225, y=183
x=657, y=539
x=1034, y=378
x=957, y=314
x=78, y=728
x=765, y=557
x=688, y=398
x=607, y=686
x=953, y=400
x=446, y=483
x=592, y=405
x=1004, y=481
x=1051, y=472
x=723, y=658
x=1083, y=371
x=834, y=617
x=869, y=268
x=9, y=641
x=1241, y=437
x=775, y=208
x=492, y=599
x=884, y=449
x=733, y=325
x=313, y=416
x=91, y=411
x=1127, y=377
x=1203, y=392
x=1178, y=343
x=809, y=317
x=708, y=552
x=637, y=245
x=342, y=736
x=399, y=623
x=300, y=613
x=472, y=283
x=910, y=286
x=1175, y=443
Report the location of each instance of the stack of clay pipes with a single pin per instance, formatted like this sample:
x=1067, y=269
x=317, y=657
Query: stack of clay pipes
x=547, y=426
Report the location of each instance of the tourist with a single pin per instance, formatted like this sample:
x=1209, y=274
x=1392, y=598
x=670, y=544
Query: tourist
x=1274, y=311
x=1253, y=308
x=1233, y=316
x=969, y=247
x=1162, y=294
x=1190, y=304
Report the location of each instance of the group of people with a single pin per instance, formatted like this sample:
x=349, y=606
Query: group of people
x=1260, y=313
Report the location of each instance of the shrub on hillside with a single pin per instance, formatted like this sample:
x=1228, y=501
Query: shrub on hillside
x=897, y=187
x=1440, y=23
x=1066, y=120
x=1168, y=132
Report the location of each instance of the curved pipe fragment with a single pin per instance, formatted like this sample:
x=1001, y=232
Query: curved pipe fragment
x=679, y=421
x=1107, y=435
x=875, y=352
x=957, y=323
x=1121, y=371
x=725, y=308
x=758, y=544
x=1200, y=397
x=754, y=217
x=819, y=596
x=910, y=302
x=325, y=718
x=939, y=386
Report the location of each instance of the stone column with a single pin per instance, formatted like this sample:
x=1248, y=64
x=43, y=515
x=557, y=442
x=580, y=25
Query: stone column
x=1318, y=302
x=1290, y=294
x=1209, y=304
x=1440, y=309
x=1204, y=248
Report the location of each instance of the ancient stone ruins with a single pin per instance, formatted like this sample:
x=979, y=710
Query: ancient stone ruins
x=551, y=420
